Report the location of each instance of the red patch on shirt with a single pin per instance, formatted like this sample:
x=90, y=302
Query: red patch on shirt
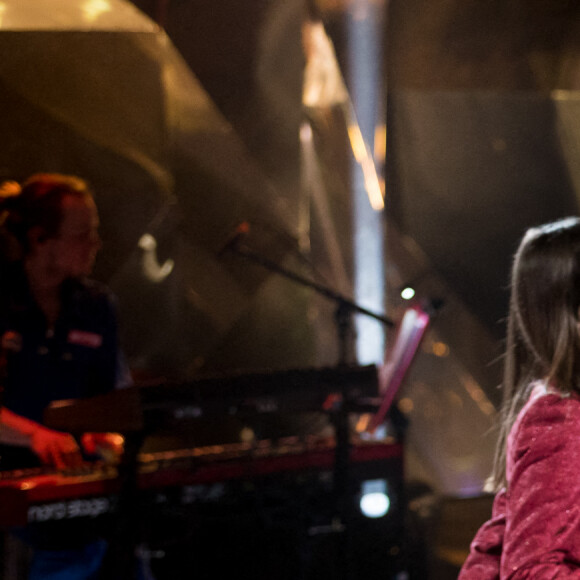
x=84, y=338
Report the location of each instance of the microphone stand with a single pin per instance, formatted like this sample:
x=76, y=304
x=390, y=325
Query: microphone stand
x=345, y=306
x=343, y=314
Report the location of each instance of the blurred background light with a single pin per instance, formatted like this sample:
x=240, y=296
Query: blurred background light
x=374, y=501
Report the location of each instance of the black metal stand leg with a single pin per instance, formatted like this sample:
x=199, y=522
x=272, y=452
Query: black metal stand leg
x=120, y=562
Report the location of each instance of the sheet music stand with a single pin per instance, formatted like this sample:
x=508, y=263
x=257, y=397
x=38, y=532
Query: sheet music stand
x=398, y=359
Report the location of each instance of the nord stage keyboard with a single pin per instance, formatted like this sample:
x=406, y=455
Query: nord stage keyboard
x=198, y=477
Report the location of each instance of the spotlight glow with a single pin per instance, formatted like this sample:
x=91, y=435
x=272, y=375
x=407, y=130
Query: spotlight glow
x=95, y=8
x=363, y=112
x=407, y=293
x=374, y=502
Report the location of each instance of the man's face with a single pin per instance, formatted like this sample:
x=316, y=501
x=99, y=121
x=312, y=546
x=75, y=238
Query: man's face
x=74, y=249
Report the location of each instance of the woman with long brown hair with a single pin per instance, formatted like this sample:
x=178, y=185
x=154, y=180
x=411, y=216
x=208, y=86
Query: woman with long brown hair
x=534, y=531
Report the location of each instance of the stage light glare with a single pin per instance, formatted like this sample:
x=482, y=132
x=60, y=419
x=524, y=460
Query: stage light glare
x=94, y=8
x=374, y=505
x=374, y=501
x=407, y=293
x=306, y=133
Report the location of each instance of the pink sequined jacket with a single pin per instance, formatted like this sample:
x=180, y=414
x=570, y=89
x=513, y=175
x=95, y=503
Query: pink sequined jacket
x=534, y=531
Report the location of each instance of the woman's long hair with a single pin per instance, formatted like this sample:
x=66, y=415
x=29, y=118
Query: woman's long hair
x=543, y=340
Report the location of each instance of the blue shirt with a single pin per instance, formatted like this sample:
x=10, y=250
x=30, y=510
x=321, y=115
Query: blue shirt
x=79, y=357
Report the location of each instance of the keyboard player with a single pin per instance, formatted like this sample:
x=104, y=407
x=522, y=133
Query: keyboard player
x=58, y=333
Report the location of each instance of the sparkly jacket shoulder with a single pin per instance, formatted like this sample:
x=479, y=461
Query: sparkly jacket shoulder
x=534, y=531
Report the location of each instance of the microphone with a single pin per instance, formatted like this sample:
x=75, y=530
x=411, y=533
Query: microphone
x=234, y=238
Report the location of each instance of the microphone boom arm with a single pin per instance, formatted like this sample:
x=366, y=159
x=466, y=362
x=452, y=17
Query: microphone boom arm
x=342, y=301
